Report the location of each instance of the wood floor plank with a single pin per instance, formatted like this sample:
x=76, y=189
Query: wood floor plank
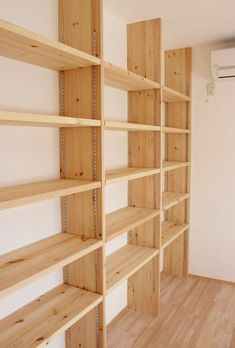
x=195, y=313
x=232, y=345
x=220, y=324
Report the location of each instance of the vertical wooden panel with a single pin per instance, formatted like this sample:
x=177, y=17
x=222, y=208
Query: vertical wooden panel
x=81, y=90
x=177, y=148
x=79, y=23
x=144, y=41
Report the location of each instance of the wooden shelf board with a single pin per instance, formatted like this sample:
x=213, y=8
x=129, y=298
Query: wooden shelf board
x=170, y=231
x=22, y=266
x=175, y=130
x=38, y=322
x=123, y=263
x=10, y=118
x=13, y=196
x=172, y=96
x=126, y=219
x=169, y=199
x=127, y=126
x=123, y=79
x=24, y=45
x=126, y=174
x=172, y=165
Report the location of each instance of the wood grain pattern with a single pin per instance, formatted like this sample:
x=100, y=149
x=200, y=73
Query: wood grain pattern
x=123, y=79
x=144, y=150
x=125, y=262
x=195, y=312
x=173, y=165
x=37, y=323
x=178, y=115
x=81, y=95
x=13, y=196
x=174, y=130
x=130, y=173
x=171, y=231
x=128, y=126
x=24, y=45
x=29, y=263
x=126, y=219
x=173, y=96
x=169, y=199
x=11, y=118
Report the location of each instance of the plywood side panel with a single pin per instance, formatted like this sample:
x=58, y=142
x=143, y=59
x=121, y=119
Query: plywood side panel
x=144, y=149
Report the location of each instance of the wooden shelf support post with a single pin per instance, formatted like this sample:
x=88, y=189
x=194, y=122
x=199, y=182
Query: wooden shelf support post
x=144, y=151
x=177, y=148
x=80, y=24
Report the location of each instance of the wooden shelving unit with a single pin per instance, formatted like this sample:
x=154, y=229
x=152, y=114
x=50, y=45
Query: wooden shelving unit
x=126, y=174
x=127, y=126
x=11, y=118
x=126, y=219
x=172, y=165
x=126, y=80
x=21, y=266
x=77, y=306
x=37, y=323
x=24, y=45
x=157, y=213
x=172, y=96
x=176, y=166
x=14, y=196
x=174, y=130
x=169, y=199
x=171, y=231
x=125, y=262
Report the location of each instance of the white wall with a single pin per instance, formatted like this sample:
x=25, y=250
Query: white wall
x=116, y=152
x=212, y=240
x=29, y=154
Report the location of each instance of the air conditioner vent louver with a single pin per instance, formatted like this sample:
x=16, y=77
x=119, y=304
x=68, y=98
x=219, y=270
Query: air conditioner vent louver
x=223, y=64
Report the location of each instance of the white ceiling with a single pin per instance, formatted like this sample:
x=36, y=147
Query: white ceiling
x=185, y=22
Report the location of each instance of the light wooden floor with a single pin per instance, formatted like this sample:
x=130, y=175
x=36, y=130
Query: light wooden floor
x=196, y=312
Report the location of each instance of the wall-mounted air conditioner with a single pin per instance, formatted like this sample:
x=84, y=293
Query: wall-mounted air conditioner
x=223, y=64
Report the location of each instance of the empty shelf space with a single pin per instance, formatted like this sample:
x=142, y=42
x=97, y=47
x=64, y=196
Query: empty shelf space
x=21, y=266
x=169, y=199
x=120, y=78
x=127, y=126
x=123, y=263
x=172, y=96
x=13, y=196
x=170, y=231
x=172, y=130
x=126, y=219
x=172, y=165
x=24, y=45
x=125, y=174
x=10, y=118
x=38, y=322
